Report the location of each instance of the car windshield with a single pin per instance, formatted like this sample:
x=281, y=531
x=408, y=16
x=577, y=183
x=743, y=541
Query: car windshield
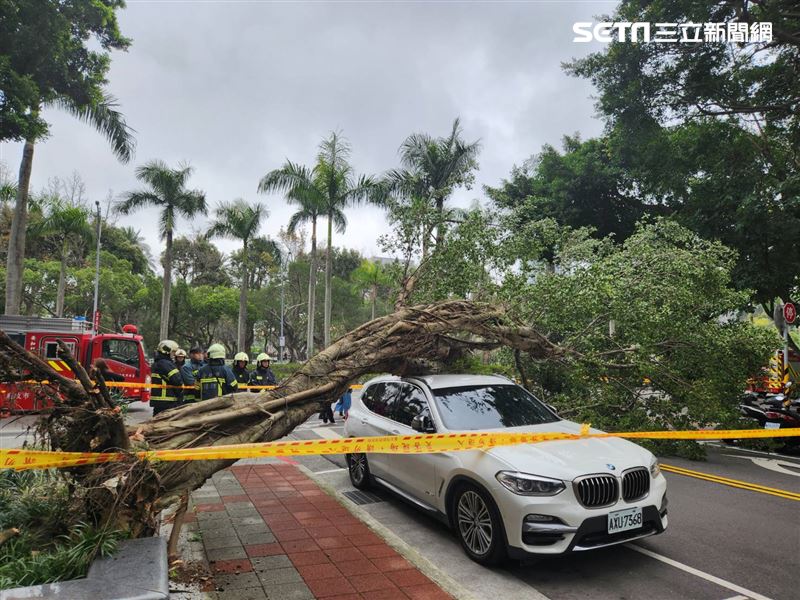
x=490, y=407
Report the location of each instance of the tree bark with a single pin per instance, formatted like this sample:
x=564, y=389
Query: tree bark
x=167, y=291
x=440, y=222
x=15, y=261
x=241, y=333
x=312, y=291
x=328, y=260
x=62, y=281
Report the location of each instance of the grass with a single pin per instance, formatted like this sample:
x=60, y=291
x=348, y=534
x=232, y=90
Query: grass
x=51, y=545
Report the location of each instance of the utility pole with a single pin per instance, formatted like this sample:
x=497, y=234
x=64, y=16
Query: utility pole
x=95, y=323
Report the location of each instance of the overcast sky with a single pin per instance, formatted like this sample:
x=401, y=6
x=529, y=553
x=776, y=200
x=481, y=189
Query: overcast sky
x=236, y=88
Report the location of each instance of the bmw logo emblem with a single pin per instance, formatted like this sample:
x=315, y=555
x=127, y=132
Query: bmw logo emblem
x=611, y=467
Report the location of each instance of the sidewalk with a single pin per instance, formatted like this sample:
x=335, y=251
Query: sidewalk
x=269, y=531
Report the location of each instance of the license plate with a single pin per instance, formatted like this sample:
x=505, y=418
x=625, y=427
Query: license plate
x=623, y=520
x=769, y=425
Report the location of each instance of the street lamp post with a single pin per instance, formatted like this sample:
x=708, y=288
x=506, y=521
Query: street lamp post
x=95, y=323
x=285, y=258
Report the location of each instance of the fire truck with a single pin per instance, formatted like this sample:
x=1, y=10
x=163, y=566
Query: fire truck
x=775, y=380
x=123, y=352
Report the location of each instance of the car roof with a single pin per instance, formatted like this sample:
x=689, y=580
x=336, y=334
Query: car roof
x=447, y=380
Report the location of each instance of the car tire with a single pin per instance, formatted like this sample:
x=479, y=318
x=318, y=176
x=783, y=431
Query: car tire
x=358, y=469
x=478, y=525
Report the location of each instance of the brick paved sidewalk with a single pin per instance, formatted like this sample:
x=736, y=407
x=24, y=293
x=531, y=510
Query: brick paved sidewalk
x=269, y=531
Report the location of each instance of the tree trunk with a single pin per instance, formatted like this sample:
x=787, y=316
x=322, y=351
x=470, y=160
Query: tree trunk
x=328, y=260
x=241, y=332
x=165, y=295
x=15, y=261
x=62, y=281
x=312, y=291
x=440, y=222
x=410, y=341
x=374, y=296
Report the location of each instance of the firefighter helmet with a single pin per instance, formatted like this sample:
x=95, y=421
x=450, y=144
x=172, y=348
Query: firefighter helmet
x=180, y=352
x=167, y=346
x=263, y=356
x=241, y=356
x=216, y=351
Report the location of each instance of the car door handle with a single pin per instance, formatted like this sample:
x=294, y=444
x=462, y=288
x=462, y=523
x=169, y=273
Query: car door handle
x=395, y=432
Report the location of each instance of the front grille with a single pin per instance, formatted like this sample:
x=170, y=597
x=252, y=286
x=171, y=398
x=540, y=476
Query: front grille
x=635, y=484
x=597, y=490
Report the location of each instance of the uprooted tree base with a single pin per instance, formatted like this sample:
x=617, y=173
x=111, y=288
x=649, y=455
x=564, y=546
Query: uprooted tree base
x=413, y=340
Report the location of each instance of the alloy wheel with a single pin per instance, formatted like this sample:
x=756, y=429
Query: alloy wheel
x=474, y=523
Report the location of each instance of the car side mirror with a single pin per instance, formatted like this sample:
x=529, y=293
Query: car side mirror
x=423, y=424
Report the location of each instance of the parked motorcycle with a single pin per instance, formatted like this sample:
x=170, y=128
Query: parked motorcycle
x=773, y=412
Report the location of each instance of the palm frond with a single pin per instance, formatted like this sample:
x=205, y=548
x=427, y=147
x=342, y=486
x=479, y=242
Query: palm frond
x=132, y=201
x=103, y=115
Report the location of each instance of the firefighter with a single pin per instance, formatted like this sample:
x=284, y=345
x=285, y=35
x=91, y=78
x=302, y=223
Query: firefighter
x=263, y=375
x=216, y=378
x=189, y=373
x=180, y=358
x=166, y=373
x=240, y=362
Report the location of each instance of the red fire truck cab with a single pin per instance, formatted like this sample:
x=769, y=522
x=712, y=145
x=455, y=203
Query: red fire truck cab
x=123, y=352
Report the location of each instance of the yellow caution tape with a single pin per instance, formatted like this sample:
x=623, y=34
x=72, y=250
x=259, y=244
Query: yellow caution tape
x=20, y=459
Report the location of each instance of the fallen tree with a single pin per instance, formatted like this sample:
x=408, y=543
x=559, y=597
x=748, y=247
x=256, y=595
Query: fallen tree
x=413, y=340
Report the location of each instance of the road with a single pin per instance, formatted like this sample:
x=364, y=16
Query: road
x=723, y=542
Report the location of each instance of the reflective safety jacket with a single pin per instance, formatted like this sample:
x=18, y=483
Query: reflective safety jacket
x=242, y=376
x=262, y=377
x=189, y=372
x=165, y=372
x=216, y=379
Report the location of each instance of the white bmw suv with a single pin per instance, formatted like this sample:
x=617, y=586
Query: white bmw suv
x=546, y=498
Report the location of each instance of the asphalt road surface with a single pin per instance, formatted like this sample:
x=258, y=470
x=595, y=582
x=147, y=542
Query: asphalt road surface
x=723, y=542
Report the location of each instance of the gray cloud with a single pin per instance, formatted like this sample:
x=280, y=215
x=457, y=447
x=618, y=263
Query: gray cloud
x=236, y=88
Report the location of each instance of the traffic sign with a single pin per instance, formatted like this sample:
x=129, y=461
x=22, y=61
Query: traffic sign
x=789, y=312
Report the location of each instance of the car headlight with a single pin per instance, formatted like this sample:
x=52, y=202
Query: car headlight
x=654, y=468
x=524, y=484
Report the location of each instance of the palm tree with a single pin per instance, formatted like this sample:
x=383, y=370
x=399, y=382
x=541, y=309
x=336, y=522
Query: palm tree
x=370, y=275
x=66, y=225
x=339, y=188
x=296, y=181
x=240, y=221
x=100, y=112
x=433, y=168
x=168, y=192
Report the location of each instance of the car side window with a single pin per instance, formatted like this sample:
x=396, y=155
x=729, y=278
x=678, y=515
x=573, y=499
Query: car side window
x=410, y=403
x=371, y=396
x=388, y=400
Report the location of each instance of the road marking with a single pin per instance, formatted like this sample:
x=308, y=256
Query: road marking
x=327, y=433
x=771, y=464
x=744, y=485
x=329, y=471
x=761, y=452
x=708, y=577
x=738, y=598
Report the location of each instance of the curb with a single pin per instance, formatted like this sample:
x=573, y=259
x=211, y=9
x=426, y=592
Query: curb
x=444, y=581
